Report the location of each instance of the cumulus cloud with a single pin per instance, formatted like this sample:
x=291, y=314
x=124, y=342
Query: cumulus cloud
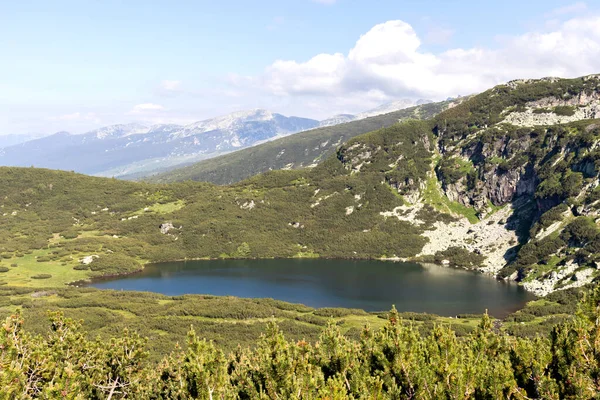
x=146, y=108
x=388, y=62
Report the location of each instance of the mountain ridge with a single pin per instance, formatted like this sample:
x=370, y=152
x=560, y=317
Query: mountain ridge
x=136, y=147
x=300, y=150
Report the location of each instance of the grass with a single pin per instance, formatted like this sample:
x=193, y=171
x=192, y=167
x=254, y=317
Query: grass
x=28, y=266
x=494, y=208
x=541, y=269
x=165, y=320
x=164, y=208
x=306, y=254
x=463, y=165
x=433, y=196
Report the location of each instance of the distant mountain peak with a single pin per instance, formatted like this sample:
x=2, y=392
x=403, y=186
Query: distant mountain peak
x=118, y=130
x=228, y=121
x=423, y=101
x=337, y=119
x=396, y=105
x=382, y=109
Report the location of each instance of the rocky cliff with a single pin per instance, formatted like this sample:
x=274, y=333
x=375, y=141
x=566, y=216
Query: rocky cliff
x=517, y=166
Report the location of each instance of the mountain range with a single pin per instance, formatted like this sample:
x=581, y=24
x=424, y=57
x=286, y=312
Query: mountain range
x=134, y=148
x=303, y=149
x=505, y=182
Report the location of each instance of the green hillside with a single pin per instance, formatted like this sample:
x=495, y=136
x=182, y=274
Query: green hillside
x=291, y=152
x=54, y=218
x=506, y=183
x=518, y=199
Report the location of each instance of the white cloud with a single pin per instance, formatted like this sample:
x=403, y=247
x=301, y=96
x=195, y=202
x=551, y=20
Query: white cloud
x=389, y=61
x=146, y=108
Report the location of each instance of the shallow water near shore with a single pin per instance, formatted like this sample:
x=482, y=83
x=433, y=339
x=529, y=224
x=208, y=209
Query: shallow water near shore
x=369, y=285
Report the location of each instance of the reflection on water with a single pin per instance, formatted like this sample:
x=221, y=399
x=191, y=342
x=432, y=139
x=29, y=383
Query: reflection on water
x=370, y=285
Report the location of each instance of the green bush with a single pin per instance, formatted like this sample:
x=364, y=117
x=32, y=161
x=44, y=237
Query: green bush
x=460, y=257
x=71, y=234
x=566, y=111
x=114, y=264
x=338, y=312
x=41, y=276
x=521, y=317
x=4, y=269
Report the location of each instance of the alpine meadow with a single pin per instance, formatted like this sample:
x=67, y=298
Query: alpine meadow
x=374, y=196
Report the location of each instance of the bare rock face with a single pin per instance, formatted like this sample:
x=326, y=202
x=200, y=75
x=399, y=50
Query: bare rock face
x=502, y=188
x=586, y=105
x=497, y=184
x=166, y=227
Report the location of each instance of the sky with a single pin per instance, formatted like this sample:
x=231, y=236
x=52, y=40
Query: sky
x=77, y=65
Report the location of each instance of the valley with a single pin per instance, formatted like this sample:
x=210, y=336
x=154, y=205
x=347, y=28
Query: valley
x=463, y=189
x=303, y=200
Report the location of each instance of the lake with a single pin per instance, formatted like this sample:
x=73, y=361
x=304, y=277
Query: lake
x=370, y=285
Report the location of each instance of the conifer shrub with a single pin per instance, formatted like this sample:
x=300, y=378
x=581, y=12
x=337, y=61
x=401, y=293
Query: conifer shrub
x=565, y=111
x=41, y=276
x=338, y=312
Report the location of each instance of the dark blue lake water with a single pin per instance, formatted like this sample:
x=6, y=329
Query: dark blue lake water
x=370, y=285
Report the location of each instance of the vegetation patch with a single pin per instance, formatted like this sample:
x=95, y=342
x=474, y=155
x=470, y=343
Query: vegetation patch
x=114, y=264
x=165, y=208
x=41, y=276
x=460, y=257
x=433, y=196
x=413, y=357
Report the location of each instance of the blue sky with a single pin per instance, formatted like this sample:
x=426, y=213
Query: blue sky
x=77, y=65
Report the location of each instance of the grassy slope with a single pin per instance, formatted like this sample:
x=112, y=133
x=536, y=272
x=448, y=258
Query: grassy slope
x=230, y=321
x=294, y=151
x=52, y=219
